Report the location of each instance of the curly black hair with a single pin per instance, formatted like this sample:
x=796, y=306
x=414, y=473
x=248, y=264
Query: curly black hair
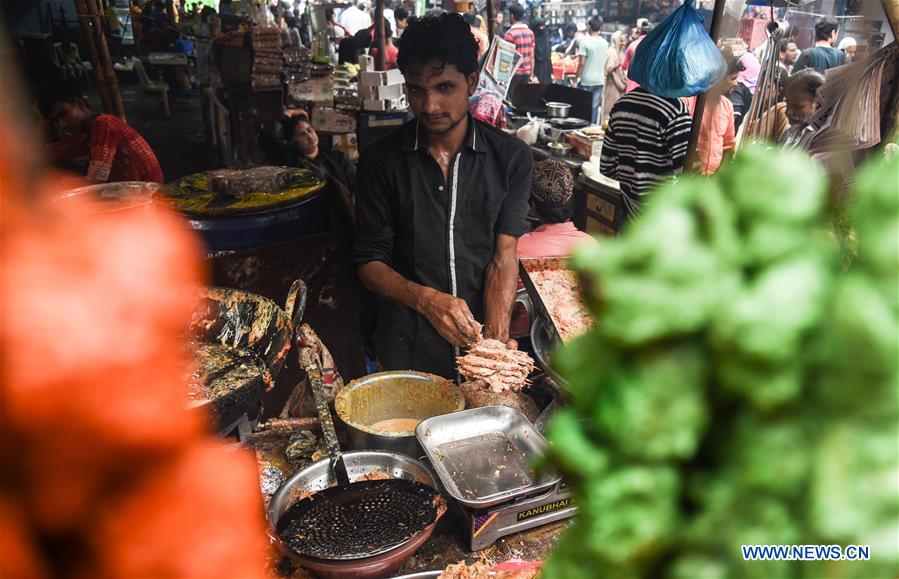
x=446, y=38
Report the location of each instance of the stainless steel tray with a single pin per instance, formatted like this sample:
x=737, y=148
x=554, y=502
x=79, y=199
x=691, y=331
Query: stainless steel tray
x=526, y=267
x=484, y=456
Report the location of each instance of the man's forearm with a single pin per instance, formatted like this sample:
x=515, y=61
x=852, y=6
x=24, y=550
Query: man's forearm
x=500, y=286
x=384, y=281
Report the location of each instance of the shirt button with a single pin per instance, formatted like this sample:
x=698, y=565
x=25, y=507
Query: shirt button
x=440, y=188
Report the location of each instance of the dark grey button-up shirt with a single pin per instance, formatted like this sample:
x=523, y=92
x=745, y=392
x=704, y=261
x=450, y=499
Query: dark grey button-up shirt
x=435, y=232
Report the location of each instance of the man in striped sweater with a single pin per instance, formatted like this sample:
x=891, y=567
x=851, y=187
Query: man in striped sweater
x=646, y=143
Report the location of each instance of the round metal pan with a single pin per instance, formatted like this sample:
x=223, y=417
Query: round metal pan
x=568, y=123
x=256, y=331
x=319, y=476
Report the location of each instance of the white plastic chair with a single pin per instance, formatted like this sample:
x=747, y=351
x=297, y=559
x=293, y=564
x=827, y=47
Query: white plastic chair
x=146, y=85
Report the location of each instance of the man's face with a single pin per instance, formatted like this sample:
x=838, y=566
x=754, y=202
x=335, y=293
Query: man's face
x=438, y=95
x=790, y=55
x=305, y=139
x=800, y=107
x=71, y=118
x=850, y=52
x=729, y=83
x=401, y=24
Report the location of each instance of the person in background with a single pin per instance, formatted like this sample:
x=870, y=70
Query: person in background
x=848, y=45
x=552, y=203
x=749, y=74
x=616, y=78
x=305, y=151
x=499, y=24
x=803, y=101
x=645, y=143
x=643, y=28
x=401, y=16
x=521, y=36
x=483, y=41
x=390, y=51
x=354, y=18
x=717, y=135
x=789, y=52
x=389, y=16
x=543, y=64
x=823, y=55
x=566, y=43
x=348, y=52
x=591, y=68
x=741, y=97
x=116, y=151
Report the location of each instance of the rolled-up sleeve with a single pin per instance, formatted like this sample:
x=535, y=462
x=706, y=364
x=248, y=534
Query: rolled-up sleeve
x=513, y=214
x=374, y=216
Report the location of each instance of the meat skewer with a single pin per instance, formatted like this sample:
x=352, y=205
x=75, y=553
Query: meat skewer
x=500, y=368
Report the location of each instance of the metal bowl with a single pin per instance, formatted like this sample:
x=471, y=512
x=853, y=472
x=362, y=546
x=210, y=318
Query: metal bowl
x=559, y=149
x=366, y=402
x=112, y=197
x=557, y=110
x=319, y=476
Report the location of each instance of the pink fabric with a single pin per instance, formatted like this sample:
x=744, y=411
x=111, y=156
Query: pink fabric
x=716, y=135
x=552, y=239
x=750, y=74
x=628, y=55
x=549, y=240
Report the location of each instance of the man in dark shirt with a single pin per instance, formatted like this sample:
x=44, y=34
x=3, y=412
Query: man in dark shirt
x=440, y=205
x=823, y=55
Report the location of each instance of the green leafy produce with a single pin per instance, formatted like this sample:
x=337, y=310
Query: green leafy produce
x=740, y=385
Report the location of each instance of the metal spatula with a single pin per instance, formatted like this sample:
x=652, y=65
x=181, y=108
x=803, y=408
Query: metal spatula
x=324, y=414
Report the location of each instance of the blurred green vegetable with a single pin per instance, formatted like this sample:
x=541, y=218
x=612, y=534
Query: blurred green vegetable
x=740, y=385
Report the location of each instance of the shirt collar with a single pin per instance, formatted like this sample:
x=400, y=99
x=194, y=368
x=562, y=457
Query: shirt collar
x=555, y=227
x=415, y=139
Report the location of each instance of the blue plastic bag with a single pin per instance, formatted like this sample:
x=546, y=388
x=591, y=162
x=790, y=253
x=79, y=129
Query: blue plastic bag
x=678, y=58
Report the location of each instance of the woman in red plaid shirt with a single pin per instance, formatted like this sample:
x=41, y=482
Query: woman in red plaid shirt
x=117, y=151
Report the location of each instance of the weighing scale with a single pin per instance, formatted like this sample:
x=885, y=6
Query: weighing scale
x=483, y=458
x=529, y=512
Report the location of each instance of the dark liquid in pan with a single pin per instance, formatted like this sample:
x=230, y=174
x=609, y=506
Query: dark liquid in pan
x=366, y=518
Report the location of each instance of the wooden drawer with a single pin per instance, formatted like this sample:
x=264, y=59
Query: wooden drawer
x=602, y=207
x=596, y=226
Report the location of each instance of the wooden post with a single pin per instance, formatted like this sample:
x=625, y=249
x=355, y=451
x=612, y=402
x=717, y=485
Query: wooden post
x=112, y=81
x=104, y=73
x=692, y=155
x=381, y=45
x=86, y=24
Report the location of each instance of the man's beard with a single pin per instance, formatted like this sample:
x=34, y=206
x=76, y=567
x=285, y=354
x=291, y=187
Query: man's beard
x=453, y=125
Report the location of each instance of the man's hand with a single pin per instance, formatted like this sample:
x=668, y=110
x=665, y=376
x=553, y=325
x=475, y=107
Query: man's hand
x=450, y=316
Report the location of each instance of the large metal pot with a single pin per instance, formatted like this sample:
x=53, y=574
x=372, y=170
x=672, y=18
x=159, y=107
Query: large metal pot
x=364, y=404
x=556, y=110
x=319, y=476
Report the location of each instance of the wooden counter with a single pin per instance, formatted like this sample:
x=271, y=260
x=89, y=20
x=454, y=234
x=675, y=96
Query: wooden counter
x=604, y=211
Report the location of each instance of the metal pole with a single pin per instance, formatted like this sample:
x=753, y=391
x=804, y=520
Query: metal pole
x=381, y=45
x=491, y=19
x=692, y=156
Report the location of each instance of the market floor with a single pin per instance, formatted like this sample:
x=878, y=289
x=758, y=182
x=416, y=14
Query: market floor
x=179, y=140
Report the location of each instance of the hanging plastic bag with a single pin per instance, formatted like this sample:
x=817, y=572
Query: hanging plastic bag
x=678, y=58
